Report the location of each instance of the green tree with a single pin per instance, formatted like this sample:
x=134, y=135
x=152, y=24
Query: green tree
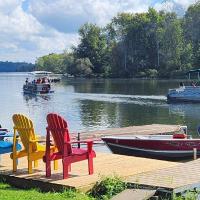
x=81, y=67
x=51, y=62
x=192, y=31
x=171, y=44
x=151, y=44
x=92, y=46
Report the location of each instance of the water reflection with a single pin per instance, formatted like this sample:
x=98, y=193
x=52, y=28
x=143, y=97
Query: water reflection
x=98, y=114
x=97, y=104
x=186, y=110
x=189, y=112
x=122, y=86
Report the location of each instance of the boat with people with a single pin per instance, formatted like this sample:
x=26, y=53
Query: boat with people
x=167, y=147
x=184, y=94
x=39, y=84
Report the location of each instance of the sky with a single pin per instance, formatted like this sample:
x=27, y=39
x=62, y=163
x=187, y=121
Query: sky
x=33, y=28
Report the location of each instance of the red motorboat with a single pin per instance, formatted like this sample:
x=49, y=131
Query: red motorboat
x=168, y=147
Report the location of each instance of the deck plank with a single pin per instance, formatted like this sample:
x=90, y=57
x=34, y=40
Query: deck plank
x=177, y=178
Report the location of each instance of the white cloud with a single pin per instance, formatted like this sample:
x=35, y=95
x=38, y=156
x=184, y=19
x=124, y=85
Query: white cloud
x=174, y=5
x=7, y=6
x=32, y=28
x=69, y=15
x=23, y=37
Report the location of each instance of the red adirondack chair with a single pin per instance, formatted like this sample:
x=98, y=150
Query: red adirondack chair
x=57, y=127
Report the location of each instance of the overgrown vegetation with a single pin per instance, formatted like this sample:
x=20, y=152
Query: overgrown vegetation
x=152, y=44
x=190, y=195
x=107, y=187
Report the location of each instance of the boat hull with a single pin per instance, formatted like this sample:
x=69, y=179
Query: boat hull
x=44, y=88
x=166, y=149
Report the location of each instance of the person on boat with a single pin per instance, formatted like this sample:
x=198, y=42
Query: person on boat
x=193, y=84
x=181, y=84
x=43, y=80
x=34, y=81
x=26, y=81
x=38, y=80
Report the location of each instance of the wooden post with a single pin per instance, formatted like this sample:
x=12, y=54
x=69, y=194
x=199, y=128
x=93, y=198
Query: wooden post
x=195, y=153
x=78, y=138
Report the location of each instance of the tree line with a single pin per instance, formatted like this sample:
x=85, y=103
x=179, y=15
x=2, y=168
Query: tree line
x=152, y=44
x=16, y=66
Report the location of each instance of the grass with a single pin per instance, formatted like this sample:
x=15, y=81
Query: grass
x=8, y=192
x=104, y=189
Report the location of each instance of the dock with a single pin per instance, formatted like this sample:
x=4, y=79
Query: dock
x=146, y=174
x=140, y=173
x=105, y=164
x=152, y=129
x=176, y=179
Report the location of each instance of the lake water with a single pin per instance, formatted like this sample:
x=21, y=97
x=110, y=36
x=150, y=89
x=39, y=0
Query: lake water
x=97, y=104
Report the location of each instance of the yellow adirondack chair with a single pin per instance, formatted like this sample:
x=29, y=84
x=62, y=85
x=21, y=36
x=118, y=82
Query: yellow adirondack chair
x=31, y=148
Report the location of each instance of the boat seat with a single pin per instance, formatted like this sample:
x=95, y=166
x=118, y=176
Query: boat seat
x=179, y=136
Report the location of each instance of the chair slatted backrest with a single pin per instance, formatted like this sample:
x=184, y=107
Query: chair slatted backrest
x=25, y=129
x=59, y=130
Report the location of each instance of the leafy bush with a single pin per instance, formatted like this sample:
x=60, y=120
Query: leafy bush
x=151, y=73
x=190, y=195
x=141, y=74
x=107, y=187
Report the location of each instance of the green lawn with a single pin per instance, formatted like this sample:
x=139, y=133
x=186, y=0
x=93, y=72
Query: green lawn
x=8, y=192
x=102, y=191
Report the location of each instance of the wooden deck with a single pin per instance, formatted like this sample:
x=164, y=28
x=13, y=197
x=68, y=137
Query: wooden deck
x=153, y=129
x=104, y=165
x=176, y=179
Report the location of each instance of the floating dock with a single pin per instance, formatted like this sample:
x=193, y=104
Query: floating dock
x=153, y=129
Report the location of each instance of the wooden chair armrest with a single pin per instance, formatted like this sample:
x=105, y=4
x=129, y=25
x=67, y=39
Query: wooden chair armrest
x=33, y=141
x=78, y=142
x=37, y=136
x=89, y=144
